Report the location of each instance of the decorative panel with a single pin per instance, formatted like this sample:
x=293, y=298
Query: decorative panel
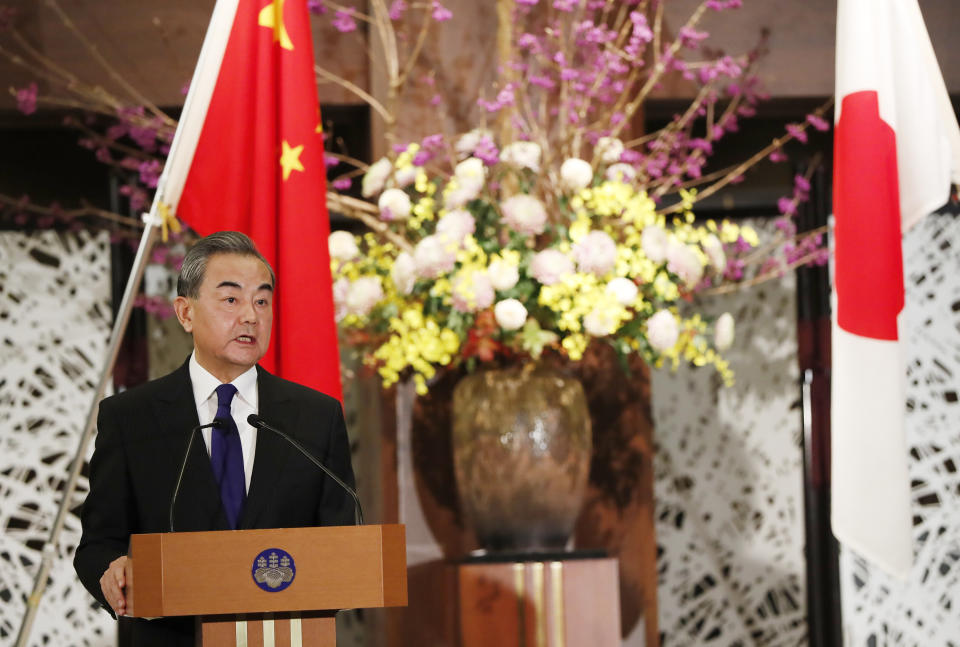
x=55, y=320
x=922, y=610
x=729, y=485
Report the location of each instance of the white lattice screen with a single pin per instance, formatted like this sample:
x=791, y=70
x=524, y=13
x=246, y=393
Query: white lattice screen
x=922, y=610
x=728, y=488
x=54, y=323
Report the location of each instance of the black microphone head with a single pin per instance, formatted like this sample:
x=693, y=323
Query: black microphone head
x=218, y=423
x=254, y=420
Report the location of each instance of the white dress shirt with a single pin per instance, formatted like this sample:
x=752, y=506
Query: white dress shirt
x=245, y=402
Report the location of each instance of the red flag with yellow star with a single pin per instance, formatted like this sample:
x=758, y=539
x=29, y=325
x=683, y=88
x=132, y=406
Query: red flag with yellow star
x=248, y=156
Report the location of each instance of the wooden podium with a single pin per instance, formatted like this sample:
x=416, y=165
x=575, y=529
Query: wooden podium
x=267, y=587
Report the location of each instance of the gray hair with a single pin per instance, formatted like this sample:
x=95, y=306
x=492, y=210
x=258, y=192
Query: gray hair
x=222, y=242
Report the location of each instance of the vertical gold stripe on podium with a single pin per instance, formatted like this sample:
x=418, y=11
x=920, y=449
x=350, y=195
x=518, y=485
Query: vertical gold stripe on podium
x=241, y=633
x=556, y=590
x=296, y=633
x=538, y=585
x=518, y=588
x=269, y=639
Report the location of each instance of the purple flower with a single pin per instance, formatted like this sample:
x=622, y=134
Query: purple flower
x=432, y=142
x=422, y=157
x=818, y=122
x=342, y=183
x=344, y=22
x=116, y=131
x=786, y=225
x=801, y=184
x=565, y=5
x=144, y=137
x=778, y=156
x=441, y=13
x=150, y=173
x=542, y=81
x=797, y=131
x=329, y=161
x=316, y=7
x=487, y=151
x=159, y=255
x=787, y=206
x=27, y=99
x=700, y=144
x=397, y=8
x=720, y=5
x=103, y=155
x=690, y=37
x=528, y=41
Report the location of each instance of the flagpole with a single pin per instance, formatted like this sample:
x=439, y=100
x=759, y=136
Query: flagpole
x=48, y=552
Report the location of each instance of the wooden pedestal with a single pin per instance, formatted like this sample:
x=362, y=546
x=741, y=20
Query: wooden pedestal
x=559, y=603
x=268, y=630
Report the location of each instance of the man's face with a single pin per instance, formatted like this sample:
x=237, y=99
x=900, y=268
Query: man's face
x=231, y=317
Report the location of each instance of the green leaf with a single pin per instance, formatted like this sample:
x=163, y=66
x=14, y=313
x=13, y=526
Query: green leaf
x=534, y=339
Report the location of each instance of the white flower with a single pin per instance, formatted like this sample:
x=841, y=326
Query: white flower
x=623, y=290
x=663, y=330
x=364, y=293
x=340, y=289
x=550, y=265
x=404, y=177
x=684, y=261
x=404, y=273
x=723, y=332
x=469, y=141
x=394, y=205
x=375, y=177
x=510, y=314
x=576, y=174
x=610, y=149
x=343, y=246
x=503, y=275
x=471, y=291
x=596, y=253
x=654, y=241
x=433, y=256
x=524, y=214
x=522, y=155
x=621, y=172
x=714, y=249
x=600, y=322
x=466, y=183
x=456, y=225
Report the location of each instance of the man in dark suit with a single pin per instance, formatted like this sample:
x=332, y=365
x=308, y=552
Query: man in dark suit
x=237, y=478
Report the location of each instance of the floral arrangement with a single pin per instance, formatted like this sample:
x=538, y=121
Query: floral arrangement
x=545, y=227
x=551, y=224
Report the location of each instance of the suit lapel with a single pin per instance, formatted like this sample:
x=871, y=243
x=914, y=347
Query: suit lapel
x=198, y=503
x=272, y=452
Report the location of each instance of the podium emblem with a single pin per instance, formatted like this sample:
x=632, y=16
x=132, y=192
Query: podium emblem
x=273, y=570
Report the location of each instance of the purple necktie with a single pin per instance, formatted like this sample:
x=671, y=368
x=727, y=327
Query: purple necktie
x=227, y=458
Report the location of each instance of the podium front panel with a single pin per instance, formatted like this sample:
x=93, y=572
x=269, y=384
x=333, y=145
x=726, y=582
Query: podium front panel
x=299, y=569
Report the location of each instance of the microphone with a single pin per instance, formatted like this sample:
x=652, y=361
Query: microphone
x=256, y=421
x=216, y=424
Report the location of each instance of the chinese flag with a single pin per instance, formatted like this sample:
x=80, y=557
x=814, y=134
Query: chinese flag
x=248, y=156
x=896, y=151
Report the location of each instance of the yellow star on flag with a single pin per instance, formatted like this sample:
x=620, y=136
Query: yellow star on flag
x=290, y=159
x=272, y=16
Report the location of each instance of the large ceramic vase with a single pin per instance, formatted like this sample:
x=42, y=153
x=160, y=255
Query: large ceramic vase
x=521, y=449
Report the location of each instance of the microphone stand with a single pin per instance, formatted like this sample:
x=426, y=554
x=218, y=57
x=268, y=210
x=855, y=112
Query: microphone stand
x=256, y=421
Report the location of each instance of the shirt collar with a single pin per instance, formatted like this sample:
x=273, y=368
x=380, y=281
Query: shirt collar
x=205, y=384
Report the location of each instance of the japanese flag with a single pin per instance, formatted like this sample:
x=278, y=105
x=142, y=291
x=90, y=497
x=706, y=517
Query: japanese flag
x=896, y=152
